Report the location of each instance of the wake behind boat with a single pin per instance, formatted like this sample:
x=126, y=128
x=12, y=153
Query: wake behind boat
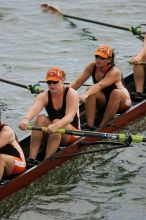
x=34, y=171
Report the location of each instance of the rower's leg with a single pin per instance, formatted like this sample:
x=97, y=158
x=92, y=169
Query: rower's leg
x=93, y=102
x=36, y=136
x=91, y=110
x=55, y=139
x=139, y=78
x=52, y=144
x=2, y=165
x=116, y=100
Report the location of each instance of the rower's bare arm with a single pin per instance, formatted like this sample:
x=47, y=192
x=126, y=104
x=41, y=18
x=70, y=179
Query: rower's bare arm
x=112, y=77
x=72, y=104
x=37, y=106
x=83, y=77
x=141, y=55
x=39, y=103
x=144, y=49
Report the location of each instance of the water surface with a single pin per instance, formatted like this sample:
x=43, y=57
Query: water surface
x=107, y=186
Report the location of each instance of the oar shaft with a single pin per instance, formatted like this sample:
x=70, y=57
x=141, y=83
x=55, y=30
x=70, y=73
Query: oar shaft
x=134, y=30
x=97, y=22
x=14, y=83
x=91, y=152
x=33, y=88
x=66, y=83
x=109, y=136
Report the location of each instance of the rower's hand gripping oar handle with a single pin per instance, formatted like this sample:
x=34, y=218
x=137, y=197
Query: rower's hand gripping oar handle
x=120, y=137
x=137, y=62
x=43, y=129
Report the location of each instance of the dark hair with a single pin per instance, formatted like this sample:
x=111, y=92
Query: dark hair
x=112, y=58
x=1, y=126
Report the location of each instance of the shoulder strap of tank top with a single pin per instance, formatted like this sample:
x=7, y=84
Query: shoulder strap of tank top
x=93, y=75
x=109, y=67
x=66, y=91
x=49, y=98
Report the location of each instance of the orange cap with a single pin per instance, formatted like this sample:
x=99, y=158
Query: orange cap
x=54, y=74
x=104, y=51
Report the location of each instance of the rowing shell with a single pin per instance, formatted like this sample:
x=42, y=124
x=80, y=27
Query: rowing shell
x=13, y=184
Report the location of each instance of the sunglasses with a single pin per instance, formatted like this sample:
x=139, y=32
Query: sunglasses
x=52, y=82
x=99, y=58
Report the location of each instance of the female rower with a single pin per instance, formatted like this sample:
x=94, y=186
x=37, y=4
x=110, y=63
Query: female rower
x=12, y=159
x=108, y=92
x=61, y=104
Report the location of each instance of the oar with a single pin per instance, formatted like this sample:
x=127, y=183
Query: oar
x=137, y=62
x=66, y=83
x=33, y=88
x=120, y=137
x=51, y=8
x=90, y=152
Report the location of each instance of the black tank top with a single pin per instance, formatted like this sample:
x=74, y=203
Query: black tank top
x=9, y=149
x=109, y=89
x=58, y=114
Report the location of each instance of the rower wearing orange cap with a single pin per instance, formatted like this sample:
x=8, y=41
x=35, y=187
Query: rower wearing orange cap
x=61, y=104
x=107, y=93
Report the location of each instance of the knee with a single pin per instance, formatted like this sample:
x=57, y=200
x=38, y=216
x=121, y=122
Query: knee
x=2, y=161
x=55, y=120
x=91, y=99
x=115, y=94
x=41, y=120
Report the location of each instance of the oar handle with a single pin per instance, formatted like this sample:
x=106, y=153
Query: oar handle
x=43, y=129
